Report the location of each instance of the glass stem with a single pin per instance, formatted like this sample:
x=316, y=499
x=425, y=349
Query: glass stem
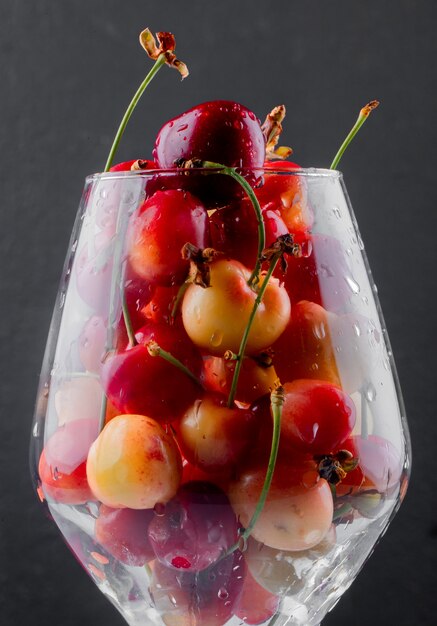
x=126, y=117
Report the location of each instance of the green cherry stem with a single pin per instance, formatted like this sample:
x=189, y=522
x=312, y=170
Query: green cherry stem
x=243, y=344
x=362, y=117
x=160, y=61
x=231, y=171
x=156, y=350
x=277, y=398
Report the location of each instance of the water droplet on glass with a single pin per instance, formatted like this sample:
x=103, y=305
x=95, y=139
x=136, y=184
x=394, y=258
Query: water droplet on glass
x=336, y=212
x=103, y=194
x=319, y=330
x=365, y=300
x=35, y=431
x=74, y=246
x=349, y=251
x=197, y=313
x=181, y=128
x=370, y=392
x=223, y=594
x=357, y=329
x=360, y=242
x=352, y=284
x=61, y=299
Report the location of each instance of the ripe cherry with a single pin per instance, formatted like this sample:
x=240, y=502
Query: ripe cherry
x=136, y=382
x=305, y=349
x=255, y=379
x=194, y=529
x=255, y=605
x=215, y=318
x=205, y=598
x=284, y=190
x=123, y=533
x=62, y=465
x=234, y=231
x=164, y=223
x=220, y=131
x=213, y=436
x=134, y=464
x=298, y=510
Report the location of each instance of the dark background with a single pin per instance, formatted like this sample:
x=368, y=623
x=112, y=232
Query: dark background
x=67, y=71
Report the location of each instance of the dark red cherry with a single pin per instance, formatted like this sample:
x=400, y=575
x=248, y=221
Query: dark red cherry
x=123, y=533
x=165, y=222
x=194, y=529
x=234, y=231
x=205, y=598
x=220, y=131
x=136, y=382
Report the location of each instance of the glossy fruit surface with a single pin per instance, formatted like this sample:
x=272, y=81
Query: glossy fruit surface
x=255, y=380
x=134, y=463
x=194, y=529
x=164, y=224
x=215, y=318
x=234, y=231
x=205, y=598
x=286, y=194
x=123, y=533
x=219, y=131
x=298, y=511
x=62, y=465
x=306, y=349
x=137, y=382
x=317, y=417
x=213, y=436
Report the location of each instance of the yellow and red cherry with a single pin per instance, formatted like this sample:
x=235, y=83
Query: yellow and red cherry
x=298, y=510
x=213, y=436
x=305, y=349
x=134, y=464
x=136, y=382
x=194, y=529
x=163, y=225
x=123, y=533
x=216, y=318
x=255, y=380
x=234, y=231
x=255, y=605
x=285, y=191
x=62, y=465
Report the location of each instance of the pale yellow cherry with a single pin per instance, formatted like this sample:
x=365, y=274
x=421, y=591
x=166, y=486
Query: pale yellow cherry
x=134, y=463
x=216, y=317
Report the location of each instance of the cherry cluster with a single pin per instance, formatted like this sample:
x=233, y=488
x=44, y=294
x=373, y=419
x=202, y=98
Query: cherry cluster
x=210, y=326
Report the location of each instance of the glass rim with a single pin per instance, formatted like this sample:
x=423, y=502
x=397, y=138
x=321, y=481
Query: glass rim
x=306, y=172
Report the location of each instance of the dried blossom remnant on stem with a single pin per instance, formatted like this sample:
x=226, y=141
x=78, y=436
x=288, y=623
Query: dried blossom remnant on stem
x=366, y=111
x=265, y=359
x=140, y=165
x=167, y=46
x=334, y=467
x=283, y=245
x=272, y=129
x=199, y=263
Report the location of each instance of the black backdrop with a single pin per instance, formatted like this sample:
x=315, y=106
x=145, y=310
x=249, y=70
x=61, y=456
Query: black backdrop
x=67, y=71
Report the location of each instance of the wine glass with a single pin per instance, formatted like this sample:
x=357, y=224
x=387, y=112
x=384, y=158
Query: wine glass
x=219, y=434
